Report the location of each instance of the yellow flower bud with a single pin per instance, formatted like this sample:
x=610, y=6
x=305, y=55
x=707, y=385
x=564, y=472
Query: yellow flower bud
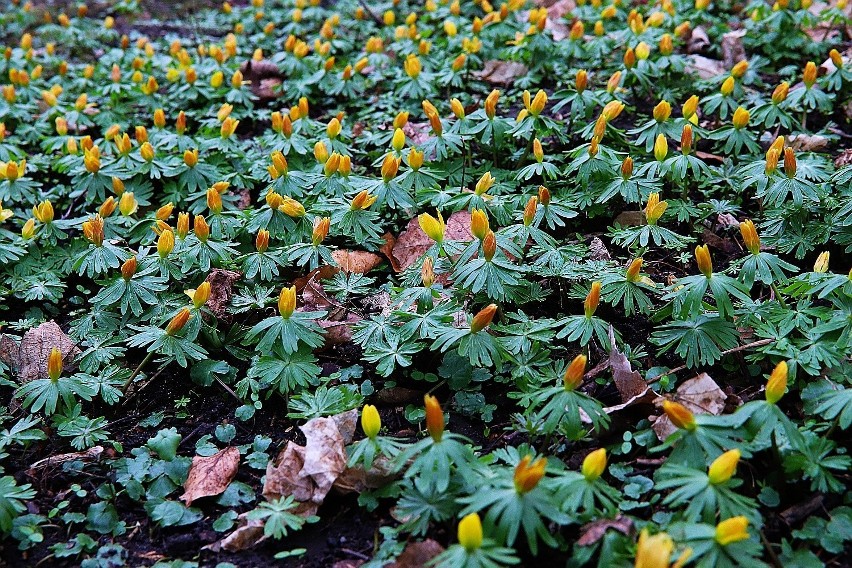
x=679, y=415
x=594, y=464
x=491, y=103
x=178, y=322
x=128, y=269
x=776, y=386
x=43, y=212
x=434, y=228
x=201, y=228
x=809, y=75
x=573, y=377
x=642, y=51
x=690, y=107
x=127, y=204
x=371, y=422
x=107, y=207
x=662, y=111
x=612, y=109
x=661, y=148
x=479, y=225
x=821, y=264
x=633, y=270
x=147, y=151
x=470, y=532
x=398, y=140
x=702, y=258
x=741, y=118
x=789, y=162
x=750, y=236
x=434, y=417
x=724, y=467
x=779, y=95
x=527, y=476
x=732, y=530
x=54, y=364
x=738, y=70
x=483, y=318
x=727, y=86
x=427, y=272
x=182, y=228
x=28, y=230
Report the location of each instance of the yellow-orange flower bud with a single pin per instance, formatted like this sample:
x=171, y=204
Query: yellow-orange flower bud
x=789, y=162
x=661, y=148
x=809, y=75
x=201, y=228
x=573, y=377
x=434, y=417
x=127, y=204
x=750, y=236
x=128, y=269
x=54, y=364
x=732, y=530
x=483, y=318
x=741, y=118
x=590, y=304
x=724, y=467
x=679, y=415
x=776, y=386
x=702, y=258
x=527, y=475
x=594, y=464
x=178, y=321
x=727, y=86
x=479, y=225
x=821, y=264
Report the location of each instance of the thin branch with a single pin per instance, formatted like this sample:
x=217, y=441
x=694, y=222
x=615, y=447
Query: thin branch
x=728, y=352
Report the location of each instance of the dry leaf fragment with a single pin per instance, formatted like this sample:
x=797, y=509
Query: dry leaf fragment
x=309, y=472
x=210, y=475
x=704, y=67
x=499, y=72
x=594, y=531
x=88, y=455
x=733, y=50
x=417, y=554
x=221, y=289
x=248, y=534
x=29, y=358
x=701, y=395
x=629, y=383
x=356, y=261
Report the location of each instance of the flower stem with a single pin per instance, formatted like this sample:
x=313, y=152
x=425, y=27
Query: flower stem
x=136, y=372
x=778, y=295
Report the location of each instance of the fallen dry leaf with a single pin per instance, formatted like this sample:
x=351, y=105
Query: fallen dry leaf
x=358, y=480
x=417, y=554
x=89, y=455
x=339, y=332
x=631, y=219
x=210, y=475
x=629, y=383
x=597, y=250
x=594, y=531
x=499, y=72
x=807, y=143
x=356, y=261
x=698, y=41
x=700, y=394
x=413, y=242
x=704, y=67
x=387, y=250
x=732, y=48
x=29, y=358
x=308, y=472
x=248, y=534
x=221, y=289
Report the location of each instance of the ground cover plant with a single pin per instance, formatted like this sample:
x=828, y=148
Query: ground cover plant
x=431, y=283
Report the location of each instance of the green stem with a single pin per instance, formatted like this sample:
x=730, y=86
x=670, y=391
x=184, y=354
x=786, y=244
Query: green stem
x=778, y=295
x=136, y=372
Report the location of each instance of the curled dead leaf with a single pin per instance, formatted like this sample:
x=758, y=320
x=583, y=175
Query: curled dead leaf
x=700, y=394
x=29, y=358
x=356, y=261
x=210, y=475
x=499, y=72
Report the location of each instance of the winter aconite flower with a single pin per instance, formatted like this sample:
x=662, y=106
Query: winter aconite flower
x=679, y=415
x=732, y=530
x=724, y=467
x=434, y=228
x=371, y=422
x=54, y=364
x=178, y=322
x=655, y=208
x=470, y=532
x=287, y=302
x=821, y=264
x=590, y=304
x=702, y=258
x=434, y=417
x=529, y=473
x=483, y=318
x=573, y=376
x=594, y=464
x=656, y=551
x=776, y=386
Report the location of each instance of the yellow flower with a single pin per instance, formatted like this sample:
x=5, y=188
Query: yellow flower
x=661, y=148
x=398, y=140
x=362, y=201
x=727, y=86
x=470, y=532
x=320, y=231
x=291, y=207
x=484, y=184
x=656, y=551
x=201, y=228
x=128, y=269
x=573, y=376
x=810, y=74
x=633, y=270
x=434, y=417
x=821, y=264
x=165, y=211
x=287, y=302
x=690, y=107
x=679, y=415
x=165, y=243
x=28, y=230
x=741, y=118
x=176, y=324
x=724, y=467
x=612, y=110
x=702, y=258
x=528, y=475
x=777, y=383
x=779, y=95
x=483, y=318
x=261, y=242
x=590, y=304
x=54, y=364
x=434, y=228
x=479, y=226
x=127, y=204
x=43, y=212
x=594, y=464
x=750, y=236
x=371, y=422
x=655, y=208
x=530, y=210
x=200, y=295
x=738, y=70
x=4, y=213
x=662, y=111
x=732, y=530
x=427, y=272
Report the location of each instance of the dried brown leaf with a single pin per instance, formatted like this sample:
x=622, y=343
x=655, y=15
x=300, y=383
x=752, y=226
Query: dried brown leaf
x=221, y=289
x=499, y=72
x=413, y=242
x=29, y=358
x=594, y=531
x=417, y=554
x=629, y=383
x=356, y=261
x=210, y=475
x=701, y=395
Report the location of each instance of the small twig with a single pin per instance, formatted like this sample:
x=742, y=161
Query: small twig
x=728, y=352
x=773, y=558
x=228, y=389
x=355, y=553
x=375, y=19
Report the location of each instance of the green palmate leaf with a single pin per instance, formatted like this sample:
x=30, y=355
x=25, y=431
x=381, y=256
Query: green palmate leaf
x=700, y=341
x=286, y=372
x=278, y=520
x=286, y=333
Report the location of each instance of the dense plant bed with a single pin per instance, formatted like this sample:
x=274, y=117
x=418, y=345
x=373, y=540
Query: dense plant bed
x=426, y=283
